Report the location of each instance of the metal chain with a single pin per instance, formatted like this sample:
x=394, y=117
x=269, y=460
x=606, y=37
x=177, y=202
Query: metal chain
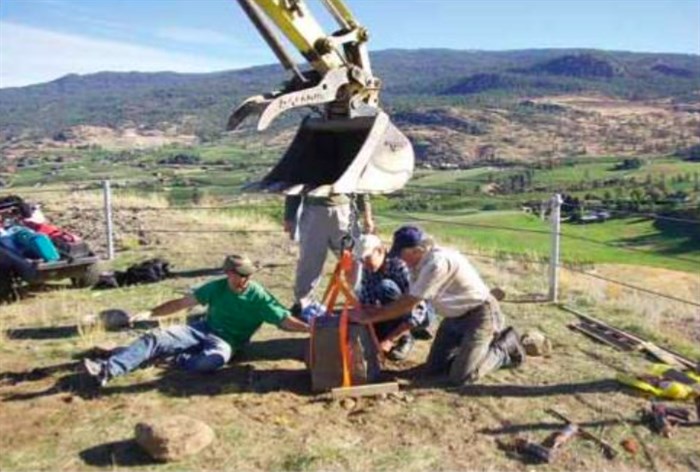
x=352, y=232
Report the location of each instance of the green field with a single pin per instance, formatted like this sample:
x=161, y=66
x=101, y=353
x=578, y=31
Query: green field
x=519, y=233
x=485, y=221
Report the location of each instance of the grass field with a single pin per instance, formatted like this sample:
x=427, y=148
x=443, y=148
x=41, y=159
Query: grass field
x=519, y=233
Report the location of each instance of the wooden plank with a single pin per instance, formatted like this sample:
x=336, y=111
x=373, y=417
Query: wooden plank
x=662, y=355
x=590, y=319
x=365, y=390
x=626, y=342
x=595, y=334
x=680, y=358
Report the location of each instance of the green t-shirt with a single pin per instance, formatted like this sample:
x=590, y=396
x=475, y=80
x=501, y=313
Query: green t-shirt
x=236, y=316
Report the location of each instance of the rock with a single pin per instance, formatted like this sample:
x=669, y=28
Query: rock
x=173, y=438
x=348, y=403
x=114, y=319
x=498, y=293
x=630, y=445
x=536, y=344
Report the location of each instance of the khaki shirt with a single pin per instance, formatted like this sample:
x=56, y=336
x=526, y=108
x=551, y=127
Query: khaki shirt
x=447, y=279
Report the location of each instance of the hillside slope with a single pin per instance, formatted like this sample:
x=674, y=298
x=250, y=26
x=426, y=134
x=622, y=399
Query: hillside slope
x=417, y=83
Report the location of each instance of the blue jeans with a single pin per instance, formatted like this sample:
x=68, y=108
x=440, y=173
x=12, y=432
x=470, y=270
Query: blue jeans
x=196, y=347
x=389, y=292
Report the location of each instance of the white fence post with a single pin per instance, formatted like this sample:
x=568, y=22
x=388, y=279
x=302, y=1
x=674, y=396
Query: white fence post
x=107, y=190
x=555, y=214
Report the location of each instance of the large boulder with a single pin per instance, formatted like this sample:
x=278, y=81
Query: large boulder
x=172, y=438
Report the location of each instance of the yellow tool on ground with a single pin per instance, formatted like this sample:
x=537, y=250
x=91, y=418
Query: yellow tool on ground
x=665, y=381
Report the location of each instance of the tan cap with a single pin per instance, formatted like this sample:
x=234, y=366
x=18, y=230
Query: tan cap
x=367, y=244
x=239, y=264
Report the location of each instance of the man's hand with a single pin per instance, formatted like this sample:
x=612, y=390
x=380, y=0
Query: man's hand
x=386, y=345
x=290, y=323
x=288, y=226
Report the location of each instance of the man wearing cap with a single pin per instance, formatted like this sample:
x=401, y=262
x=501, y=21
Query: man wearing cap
x=384, y=280
x=471, y=340
x=236, y=308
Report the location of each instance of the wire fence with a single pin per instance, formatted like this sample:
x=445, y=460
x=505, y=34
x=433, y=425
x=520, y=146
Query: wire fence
x=553, y=262
x=641, y=214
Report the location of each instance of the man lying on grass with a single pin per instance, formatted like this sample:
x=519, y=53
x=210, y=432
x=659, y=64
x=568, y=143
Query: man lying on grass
x=236, y=308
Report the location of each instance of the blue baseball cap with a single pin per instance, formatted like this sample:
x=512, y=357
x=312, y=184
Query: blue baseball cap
x=405, y=236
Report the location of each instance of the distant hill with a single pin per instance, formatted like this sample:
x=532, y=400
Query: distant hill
x=202, y=101
x=585, y=66
x=427, y=91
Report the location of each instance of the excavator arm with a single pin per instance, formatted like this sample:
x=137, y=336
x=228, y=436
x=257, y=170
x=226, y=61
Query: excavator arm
x=353, y=147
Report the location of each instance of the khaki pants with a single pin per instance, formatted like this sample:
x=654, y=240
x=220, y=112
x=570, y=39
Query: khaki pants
x=320, y=228
x=464, y=346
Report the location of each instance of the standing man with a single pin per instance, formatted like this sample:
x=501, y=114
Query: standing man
x=471, y=341
x=322, y=224
x=236, y=308
x=384, y=280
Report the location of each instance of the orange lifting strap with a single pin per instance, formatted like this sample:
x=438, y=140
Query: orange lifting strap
x=339, y=285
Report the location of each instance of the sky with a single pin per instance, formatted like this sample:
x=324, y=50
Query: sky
x=42, y=40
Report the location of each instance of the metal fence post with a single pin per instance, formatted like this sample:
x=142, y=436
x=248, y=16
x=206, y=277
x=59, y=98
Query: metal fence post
x=555, y=214
x=107, y=190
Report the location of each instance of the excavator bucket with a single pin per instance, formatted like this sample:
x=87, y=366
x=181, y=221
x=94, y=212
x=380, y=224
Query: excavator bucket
x=354, y=155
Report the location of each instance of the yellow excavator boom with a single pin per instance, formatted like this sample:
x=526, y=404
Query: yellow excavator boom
x=352, y=147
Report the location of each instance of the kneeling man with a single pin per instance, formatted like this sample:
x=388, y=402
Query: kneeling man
x=471, y=340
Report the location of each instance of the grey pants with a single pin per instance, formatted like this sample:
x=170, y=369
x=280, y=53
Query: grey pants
x=320, y=228
x=464, y=346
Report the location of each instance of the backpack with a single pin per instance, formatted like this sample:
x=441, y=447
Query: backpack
x=150, y=271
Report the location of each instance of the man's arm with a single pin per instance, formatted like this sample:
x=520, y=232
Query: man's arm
x=291, y=206
x=290, y=323
x=173, y=306
x=394, y=310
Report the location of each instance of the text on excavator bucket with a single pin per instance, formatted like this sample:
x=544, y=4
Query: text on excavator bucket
x=357, y=155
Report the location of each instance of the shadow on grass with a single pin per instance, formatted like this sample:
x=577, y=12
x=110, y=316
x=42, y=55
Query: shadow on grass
x=234, y=378
x=42, y=333
x=118, y=453
x=68, y=331
x=594, y=386
x=420, y=379
x=37, y=373
x=554, y=426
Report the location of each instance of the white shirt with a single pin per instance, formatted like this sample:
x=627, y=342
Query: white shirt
x=447, y=279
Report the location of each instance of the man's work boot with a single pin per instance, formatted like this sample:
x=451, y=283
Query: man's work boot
x=423, y=333
x=402, y=348
x=509, y=341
